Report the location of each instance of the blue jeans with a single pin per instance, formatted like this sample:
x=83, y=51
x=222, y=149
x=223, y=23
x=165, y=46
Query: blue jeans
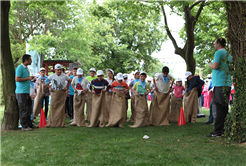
x=211, y=118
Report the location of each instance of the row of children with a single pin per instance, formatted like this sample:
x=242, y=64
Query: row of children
x=107, y=99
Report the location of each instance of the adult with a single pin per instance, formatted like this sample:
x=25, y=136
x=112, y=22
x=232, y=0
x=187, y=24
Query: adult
x=22, y=92
x=221, y=82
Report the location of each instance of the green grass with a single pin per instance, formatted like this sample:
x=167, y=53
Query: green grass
x=168, y=145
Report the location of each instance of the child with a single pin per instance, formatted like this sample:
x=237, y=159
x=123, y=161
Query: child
x=176, y=101
x=89, y=94
x=127, y=94
x=71, y=93
x=58, y=96
x=136, y=79
x=117, y=114
x=163, y=87
x=205, y=95
x=108, y=94
x=192, y=94
x=141, y=89
x=79, y=84
x=98, y=100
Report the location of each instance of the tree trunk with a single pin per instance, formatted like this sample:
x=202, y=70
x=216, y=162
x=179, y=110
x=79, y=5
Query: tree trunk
x=11, y=112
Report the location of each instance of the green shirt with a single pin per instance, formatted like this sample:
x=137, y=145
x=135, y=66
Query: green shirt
x=138, y=87
x=89, y=78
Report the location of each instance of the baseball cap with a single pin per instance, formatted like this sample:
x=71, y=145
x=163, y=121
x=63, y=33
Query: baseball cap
x=119, y=76
x=110, y=70
x=179, y=79
x=93, y=69
x=125, y=76
x=143, y=73
x=137, y=71
x=42, y=69
x=209, y=76
x=99, y=73
x=187, y=74
x=80, y=71
x=58, y=66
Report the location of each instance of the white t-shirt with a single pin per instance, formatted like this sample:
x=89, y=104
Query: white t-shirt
x=58, y=82
x=163, y=87
x=84, y=82
x=109, y=81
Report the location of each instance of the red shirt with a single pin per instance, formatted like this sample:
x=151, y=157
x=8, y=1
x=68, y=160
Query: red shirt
x=178, y=91
x=119, y=87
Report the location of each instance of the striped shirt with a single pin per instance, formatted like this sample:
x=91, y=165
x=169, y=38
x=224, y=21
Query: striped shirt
x=99, y=85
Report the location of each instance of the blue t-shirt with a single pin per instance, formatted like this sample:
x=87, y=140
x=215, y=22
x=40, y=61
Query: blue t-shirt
x=71, y=91
x=22, y=87
x=219, y=75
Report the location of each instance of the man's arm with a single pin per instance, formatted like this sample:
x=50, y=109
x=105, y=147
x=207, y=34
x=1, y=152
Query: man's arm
x=214, y=65
x=19, y=79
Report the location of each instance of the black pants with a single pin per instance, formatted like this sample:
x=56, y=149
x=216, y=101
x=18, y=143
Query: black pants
x=221, y=99
x=25, y=109
x=67, y=108
x=46, y=100
x=71, y=106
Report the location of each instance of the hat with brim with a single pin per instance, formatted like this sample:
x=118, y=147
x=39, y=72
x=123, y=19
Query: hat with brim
x=187, y=74
x=179, y=79
x=125, y=76
x=112, y=71
x=80, y=71
x=143, y=73
x=93, y=69
x=42, y=69
x=119, y=76
x=100, y=72
x=137, y=71
x=58, y=66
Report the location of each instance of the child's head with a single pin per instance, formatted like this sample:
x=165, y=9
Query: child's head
x=42, y=72
x=110, y=73
x=143, y=76
x=136, y=74
x=75, y=71
x=119, y=78
x=165, y=71
x=188, y=75
x=100, y=75
x=58, y=69
x=125, y=76
x=80, y=72
x=92, y=72
x=179, y=82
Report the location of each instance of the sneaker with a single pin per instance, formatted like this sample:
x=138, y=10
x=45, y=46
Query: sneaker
x=20, y=127
x=212, y=134
x=27, y=129
x=34, y=127
x=207, y=122
x=71, y=121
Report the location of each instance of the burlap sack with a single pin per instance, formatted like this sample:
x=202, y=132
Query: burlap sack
x=98, y=108
x=142, y=114
x=117, y=114
x=79, y=105
x=57, y=109
x=191, y=105
x=126, y=108
x=176, y=104
x=132, y=109
x=152, y=107
x=39, y=99
x=88, y=105
x=108, y=98
x=160, y=109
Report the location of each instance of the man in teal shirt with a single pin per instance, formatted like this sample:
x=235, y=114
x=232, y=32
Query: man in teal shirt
x=22, y=91
x=221, y=81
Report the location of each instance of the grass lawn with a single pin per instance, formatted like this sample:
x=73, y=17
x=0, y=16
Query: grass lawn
x=168, y=145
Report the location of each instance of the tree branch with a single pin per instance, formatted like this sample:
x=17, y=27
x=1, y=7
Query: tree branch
x=196, y=4
x=198, y=14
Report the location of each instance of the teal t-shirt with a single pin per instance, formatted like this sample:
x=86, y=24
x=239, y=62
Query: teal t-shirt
x=219, y=75
x=22, y=87
x=71, y=91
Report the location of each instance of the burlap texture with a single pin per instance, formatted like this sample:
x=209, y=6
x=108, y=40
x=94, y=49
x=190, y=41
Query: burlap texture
x=57, y=109
x=88, y=105
x=160, y=109
x=142, y=114
x=126, y=108
x=97, y=112
x=132, y=109
x=38, y=99
x=79, y=105
x=117, y=114
x=108, y=98
x=175, y=109
x=152, y=107
x=191, y=105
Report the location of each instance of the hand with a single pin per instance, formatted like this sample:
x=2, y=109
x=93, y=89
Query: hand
x=65, y=88
x=137, y=94
x=93, y=91
x=171, y=89
x=156, y=89
x=147, y=93
x=104, y=90
x=50, y=89
x=210, y=65
x=114, y=92
x=84, y=91
x=31, y=77
x=33, y=80
x=75, y=91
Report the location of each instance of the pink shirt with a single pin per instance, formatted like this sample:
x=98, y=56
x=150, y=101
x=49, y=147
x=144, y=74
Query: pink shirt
x=178, y=91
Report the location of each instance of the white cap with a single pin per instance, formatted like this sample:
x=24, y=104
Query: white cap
x=187, y=74
x=119, y=76
x=209, y=76
x=125, y=76
x=179, y=79
x=93, y=69
x=110, y=70
x=58, y=66
x=42, y=69
x=80, y=71
x=137, y=71
x=99, y=72
x=143, y=73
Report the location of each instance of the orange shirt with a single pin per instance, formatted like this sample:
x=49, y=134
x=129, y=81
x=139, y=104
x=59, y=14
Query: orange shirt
x=119, y=87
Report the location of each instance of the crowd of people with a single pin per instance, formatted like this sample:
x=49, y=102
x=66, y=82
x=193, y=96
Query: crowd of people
x=106, y=99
